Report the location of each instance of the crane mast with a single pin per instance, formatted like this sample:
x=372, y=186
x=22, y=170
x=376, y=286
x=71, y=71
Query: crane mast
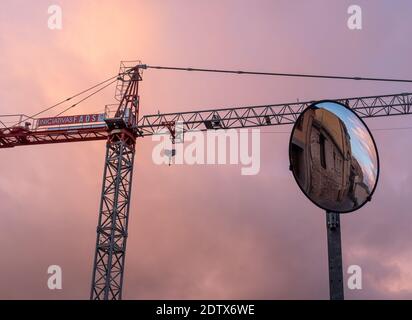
x=108, y=267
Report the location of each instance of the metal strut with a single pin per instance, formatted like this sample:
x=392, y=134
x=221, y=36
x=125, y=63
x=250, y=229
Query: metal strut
x=334, y=256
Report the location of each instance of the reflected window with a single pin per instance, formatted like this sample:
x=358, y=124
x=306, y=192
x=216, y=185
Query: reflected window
x=299, y=124
x=298, y=162
x=322, y=151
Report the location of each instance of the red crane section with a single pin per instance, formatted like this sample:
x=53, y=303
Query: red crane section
x=20, y=136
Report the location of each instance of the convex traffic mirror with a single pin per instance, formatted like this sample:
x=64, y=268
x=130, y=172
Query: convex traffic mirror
x=333, y=157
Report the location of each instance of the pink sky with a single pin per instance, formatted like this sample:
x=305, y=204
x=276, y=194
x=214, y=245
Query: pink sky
x=200, y=231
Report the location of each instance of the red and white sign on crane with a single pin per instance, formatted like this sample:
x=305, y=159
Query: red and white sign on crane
x=68, y=120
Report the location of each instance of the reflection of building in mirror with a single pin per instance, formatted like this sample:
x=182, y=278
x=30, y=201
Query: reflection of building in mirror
x=323, y=162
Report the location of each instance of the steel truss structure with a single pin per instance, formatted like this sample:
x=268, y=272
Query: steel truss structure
x=12, y=137
x=108, y=268
x=269, y=115
x=121, y=132
x=227, y=118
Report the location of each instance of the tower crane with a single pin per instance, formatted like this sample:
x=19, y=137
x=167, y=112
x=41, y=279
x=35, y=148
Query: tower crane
x=121, y=130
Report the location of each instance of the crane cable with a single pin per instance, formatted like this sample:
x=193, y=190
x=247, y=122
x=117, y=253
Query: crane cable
x=75, y=96
x=87, y=97
x=297, y=75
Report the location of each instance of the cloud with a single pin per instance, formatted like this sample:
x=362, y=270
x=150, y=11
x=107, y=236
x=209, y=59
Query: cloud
x=195, y=231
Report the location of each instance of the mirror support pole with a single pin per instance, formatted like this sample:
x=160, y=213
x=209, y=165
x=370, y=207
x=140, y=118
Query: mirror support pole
x=334, y=256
